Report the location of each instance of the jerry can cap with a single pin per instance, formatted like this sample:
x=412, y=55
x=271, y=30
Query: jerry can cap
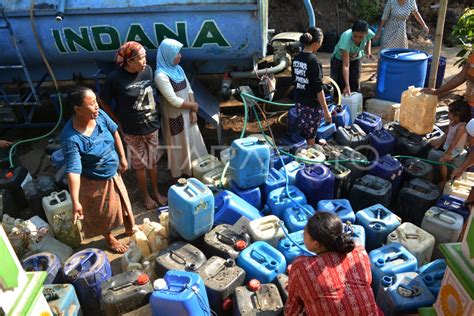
x=240, y=244
x=254, y=285
x=182, y=181
x=9, y=174
x=142, y=279
x=160, y=284
x=227, y=304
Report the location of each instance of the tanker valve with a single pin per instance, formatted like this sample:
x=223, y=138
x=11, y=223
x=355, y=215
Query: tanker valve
x=61, y=8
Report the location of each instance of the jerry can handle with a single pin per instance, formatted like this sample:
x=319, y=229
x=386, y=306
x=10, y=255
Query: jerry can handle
x=406, y=291
x=174, y=253
x=222, y=237
x=258, y=257
x=446, y=218
x=393, y=257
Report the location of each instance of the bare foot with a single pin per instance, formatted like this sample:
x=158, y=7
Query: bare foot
x=114, y=245
x=130, y=231
x=149, y=202
x=162, y=200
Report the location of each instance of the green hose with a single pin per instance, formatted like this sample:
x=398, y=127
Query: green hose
x=53, y=77
x=359, y=161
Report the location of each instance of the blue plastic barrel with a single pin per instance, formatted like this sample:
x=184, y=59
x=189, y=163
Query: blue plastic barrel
x=398, y=69
x=86, y=270
x=441, y=71
x=44, y=261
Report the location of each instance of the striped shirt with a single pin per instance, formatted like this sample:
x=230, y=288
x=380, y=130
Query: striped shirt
x=331, y=284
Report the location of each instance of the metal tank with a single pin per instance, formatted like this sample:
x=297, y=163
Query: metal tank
x=81, y=36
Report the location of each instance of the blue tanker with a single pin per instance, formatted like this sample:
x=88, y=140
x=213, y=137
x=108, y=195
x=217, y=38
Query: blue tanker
x=81, y=36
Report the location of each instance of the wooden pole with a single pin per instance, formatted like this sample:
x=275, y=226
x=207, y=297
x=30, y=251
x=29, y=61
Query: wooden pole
x=443, y=6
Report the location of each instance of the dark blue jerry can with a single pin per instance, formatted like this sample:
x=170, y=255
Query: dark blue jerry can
x=292, y=121
x=378, y=222
x=341, y=115
x=292, y=142
x=389, y=260
x=229, y=207
x=278, y=159
x=390, y=169
x=432, y=274
x=191, y=205
x=326, y=131
x=288, y=246
x=403, y=293
x=278, y=200
x=316, y=182
x=368, y=122
x=296, y=217
x=453, y=204
x=382, y=141
x=86, y=270
x=180, y=293
x=341, y=208
x=252, y=195
x=250, y=162
x=261, y=261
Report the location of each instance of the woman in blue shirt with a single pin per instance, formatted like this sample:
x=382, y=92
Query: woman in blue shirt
x=346, y=59
x=94, y=158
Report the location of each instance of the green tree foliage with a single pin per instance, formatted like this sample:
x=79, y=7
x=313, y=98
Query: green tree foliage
x=368, y=10
x=464, y=32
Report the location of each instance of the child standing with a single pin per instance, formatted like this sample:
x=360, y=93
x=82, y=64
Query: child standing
x=450, y=148
x=307, y=74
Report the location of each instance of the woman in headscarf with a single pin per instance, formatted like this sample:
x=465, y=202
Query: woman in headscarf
x=94, y=158
x=179, y=111
x=131, y=87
